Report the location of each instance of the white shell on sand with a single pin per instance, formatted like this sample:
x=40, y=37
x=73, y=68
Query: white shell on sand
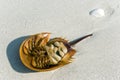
x=97, y=12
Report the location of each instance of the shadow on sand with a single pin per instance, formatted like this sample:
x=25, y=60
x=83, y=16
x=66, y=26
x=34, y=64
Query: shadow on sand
x=13, y=55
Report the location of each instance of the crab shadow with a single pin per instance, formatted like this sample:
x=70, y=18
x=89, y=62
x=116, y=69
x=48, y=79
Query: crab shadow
x=13, y=55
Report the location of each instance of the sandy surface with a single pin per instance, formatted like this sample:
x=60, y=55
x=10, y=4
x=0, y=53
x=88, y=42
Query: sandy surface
x=97, y=58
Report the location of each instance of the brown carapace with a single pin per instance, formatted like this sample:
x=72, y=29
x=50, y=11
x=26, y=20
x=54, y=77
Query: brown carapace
x=40, y=53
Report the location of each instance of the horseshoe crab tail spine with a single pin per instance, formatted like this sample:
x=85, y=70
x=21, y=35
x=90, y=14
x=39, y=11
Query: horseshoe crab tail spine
x=71, y=43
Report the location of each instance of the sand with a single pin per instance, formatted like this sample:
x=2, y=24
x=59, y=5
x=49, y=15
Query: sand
x=97, y=58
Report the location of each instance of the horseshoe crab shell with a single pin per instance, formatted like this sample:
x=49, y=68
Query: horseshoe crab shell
x=39, y=53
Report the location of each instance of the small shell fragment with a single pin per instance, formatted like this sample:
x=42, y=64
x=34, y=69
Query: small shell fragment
x=97, y=12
